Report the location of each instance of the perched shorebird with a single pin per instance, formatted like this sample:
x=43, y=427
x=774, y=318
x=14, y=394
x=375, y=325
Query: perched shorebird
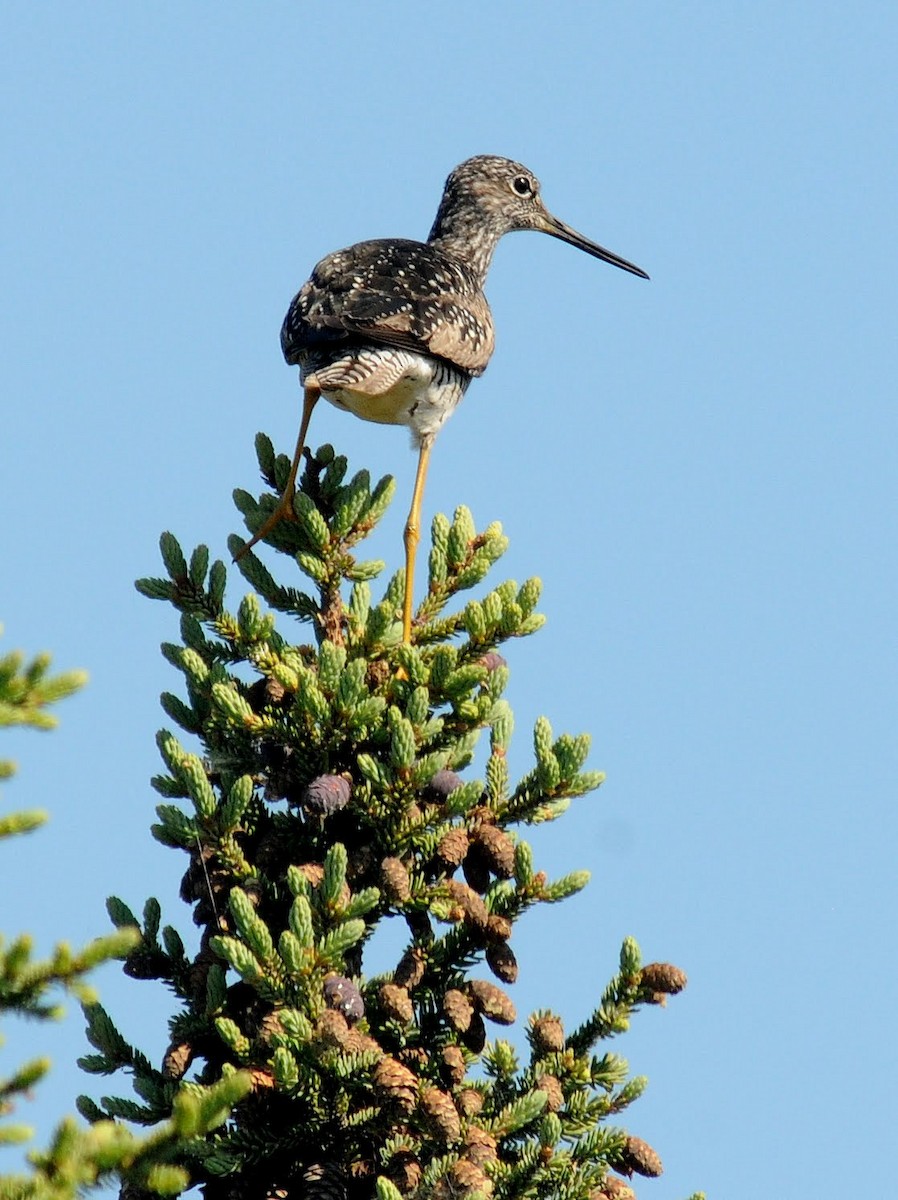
x=395, y=330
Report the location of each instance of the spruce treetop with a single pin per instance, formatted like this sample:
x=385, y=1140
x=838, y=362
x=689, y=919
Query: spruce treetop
x=329, y=789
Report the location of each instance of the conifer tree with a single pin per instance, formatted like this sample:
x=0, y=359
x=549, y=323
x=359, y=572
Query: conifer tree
x=321, y=784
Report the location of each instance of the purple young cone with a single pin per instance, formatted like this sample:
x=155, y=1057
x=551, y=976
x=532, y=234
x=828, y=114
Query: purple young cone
x=441, y=786
x=342, y=994
x=327, y=794
x=492, y=661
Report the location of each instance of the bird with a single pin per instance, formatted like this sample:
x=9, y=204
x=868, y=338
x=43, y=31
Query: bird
x=394, y=330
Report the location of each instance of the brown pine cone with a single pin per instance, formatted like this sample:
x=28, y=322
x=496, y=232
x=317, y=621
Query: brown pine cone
x=638, y=1156
x=271, y=1025
x=362, y=1043
x=471, y=907
x=476, y=869
x=554, y=1094
x=413, y=815
x=394, y=880
x=452, y=848
x=405, y=1171
x=397, y=1003
x=267, y=691
x=492, y=1002
x=458, y=1009
x=324, y=1181
x=482, y=814
x=456, y=1067
x=498, y=929
x=548, y=1035
x=442, y=1114
x=467, y=1177
x=474, y=1037
x=178, y=1058
x=470, y=1102
x=420, y=925
x=613, y=1188
x=661, y=980
x=396, y=1084
x=480, y=1147
x=410, y=971
x=332, y=1029
x=501, y=961
x=497, y=849
x=378, y=673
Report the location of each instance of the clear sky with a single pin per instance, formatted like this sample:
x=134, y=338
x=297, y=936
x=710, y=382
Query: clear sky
x=701, y=468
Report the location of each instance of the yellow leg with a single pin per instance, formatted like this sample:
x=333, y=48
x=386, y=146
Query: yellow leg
x=285, y=504
x=413, y=535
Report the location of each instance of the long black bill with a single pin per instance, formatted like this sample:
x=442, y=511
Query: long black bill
x=558, y=229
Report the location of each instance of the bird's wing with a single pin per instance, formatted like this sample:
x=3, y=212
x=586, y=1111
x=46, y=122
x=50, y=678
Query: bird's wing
x=398, y=293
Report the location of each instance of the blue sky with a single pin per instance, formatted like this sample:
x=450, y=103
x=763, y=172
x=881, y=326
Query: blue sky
x=701, y=468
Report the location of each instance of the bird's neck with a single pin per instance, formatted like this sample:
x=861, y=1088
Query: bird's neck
x=468, y=235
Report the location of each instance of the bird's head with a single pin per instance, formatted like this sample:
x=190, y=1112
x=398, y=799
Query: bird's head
x=492, y=196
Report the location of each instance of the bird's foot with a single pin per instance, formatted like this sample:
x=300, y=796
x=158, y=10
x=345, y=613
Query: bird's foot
x=282, y=511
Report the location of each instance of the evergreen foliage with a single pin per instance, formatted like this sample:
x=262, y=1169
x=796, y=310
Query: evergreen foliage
x=329, y=795
x=77, y=1157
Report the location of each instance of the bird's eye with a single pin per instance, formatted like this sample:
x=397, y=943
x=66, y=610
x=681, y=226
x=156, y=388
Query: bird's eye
x=522, y=185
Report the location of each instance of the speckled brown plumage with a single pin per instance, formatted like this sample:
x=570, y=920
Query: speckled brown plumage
x=403, y=294
x=395, y=330
x=367, y=316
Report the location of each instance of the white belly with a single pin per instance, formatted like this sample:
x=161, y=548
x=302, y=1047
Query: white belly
x=390, y=387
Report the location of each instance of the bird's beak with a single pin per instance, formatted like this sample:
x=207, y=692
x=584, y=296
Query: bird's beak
x=558, y=229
